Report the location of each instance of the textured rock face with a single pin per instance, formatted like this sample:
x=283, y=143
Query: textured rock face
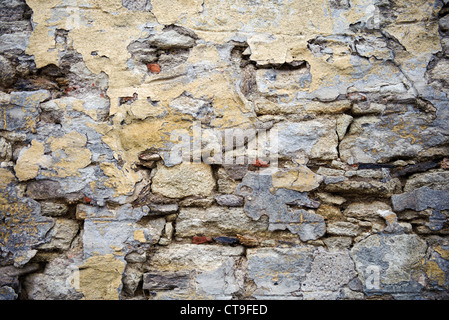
x=23, y=227
x=330, y=271
x=259, y=201
x=224, y=149
x=217, y=221
x=183, y=180
x=278, y=271
x=317, y=138
x=387, y=263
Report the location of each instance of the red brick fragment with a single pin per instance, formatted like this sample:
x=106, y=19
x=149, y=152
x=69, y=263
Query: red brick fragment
x=154, y=68
x=201, y=240
x=260, y=164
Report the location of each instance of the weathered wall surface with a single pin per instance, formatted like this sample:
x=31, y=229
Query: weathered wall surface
x=94, y=206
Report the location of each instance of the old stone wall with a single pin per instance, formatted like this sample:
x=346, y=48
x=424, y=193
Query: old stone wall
x=102, y=198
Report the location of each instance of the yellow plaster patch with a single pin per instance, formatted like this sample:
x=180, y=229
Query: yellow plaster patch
x=70, y=140
x=298, y=17
x=435, y=273
x=443, y=253
x=87, y=27
x=417, y=39
x=203, y=53
x=420, y=37
x=69, y=154
x=139, y=235
x=266, y=48
x=6, y=177
x=101, y=277
x=78, y=105
x=27, y=166
x=323, y=72
x=122, y=181
x=170, y=12
x=41, y=44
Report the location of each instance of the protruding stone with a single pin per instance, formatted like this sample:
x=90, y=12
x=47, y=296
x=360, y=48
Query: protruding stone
x=367, y=108
x=392, y=222
x=136, y=257
x=338, y=243
x=197, y=202
x=421, y=199
x=248, y=241
x=163, y=209
x=62, y=234
x=229, y=200
x=149, y=156
x=299, y=179
x=172, y=39
x=217, y=221
x=317, y=138
x=186, y=179
x=386, y=263
x=437, y=180
x=131, y=279
x=374, y=139
x=365, y=211
x=330, y=198
x=166, y=280
x=53, y=209
x=342, y=228
x=167, y=234
x=373, y=187
x=343, y=123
